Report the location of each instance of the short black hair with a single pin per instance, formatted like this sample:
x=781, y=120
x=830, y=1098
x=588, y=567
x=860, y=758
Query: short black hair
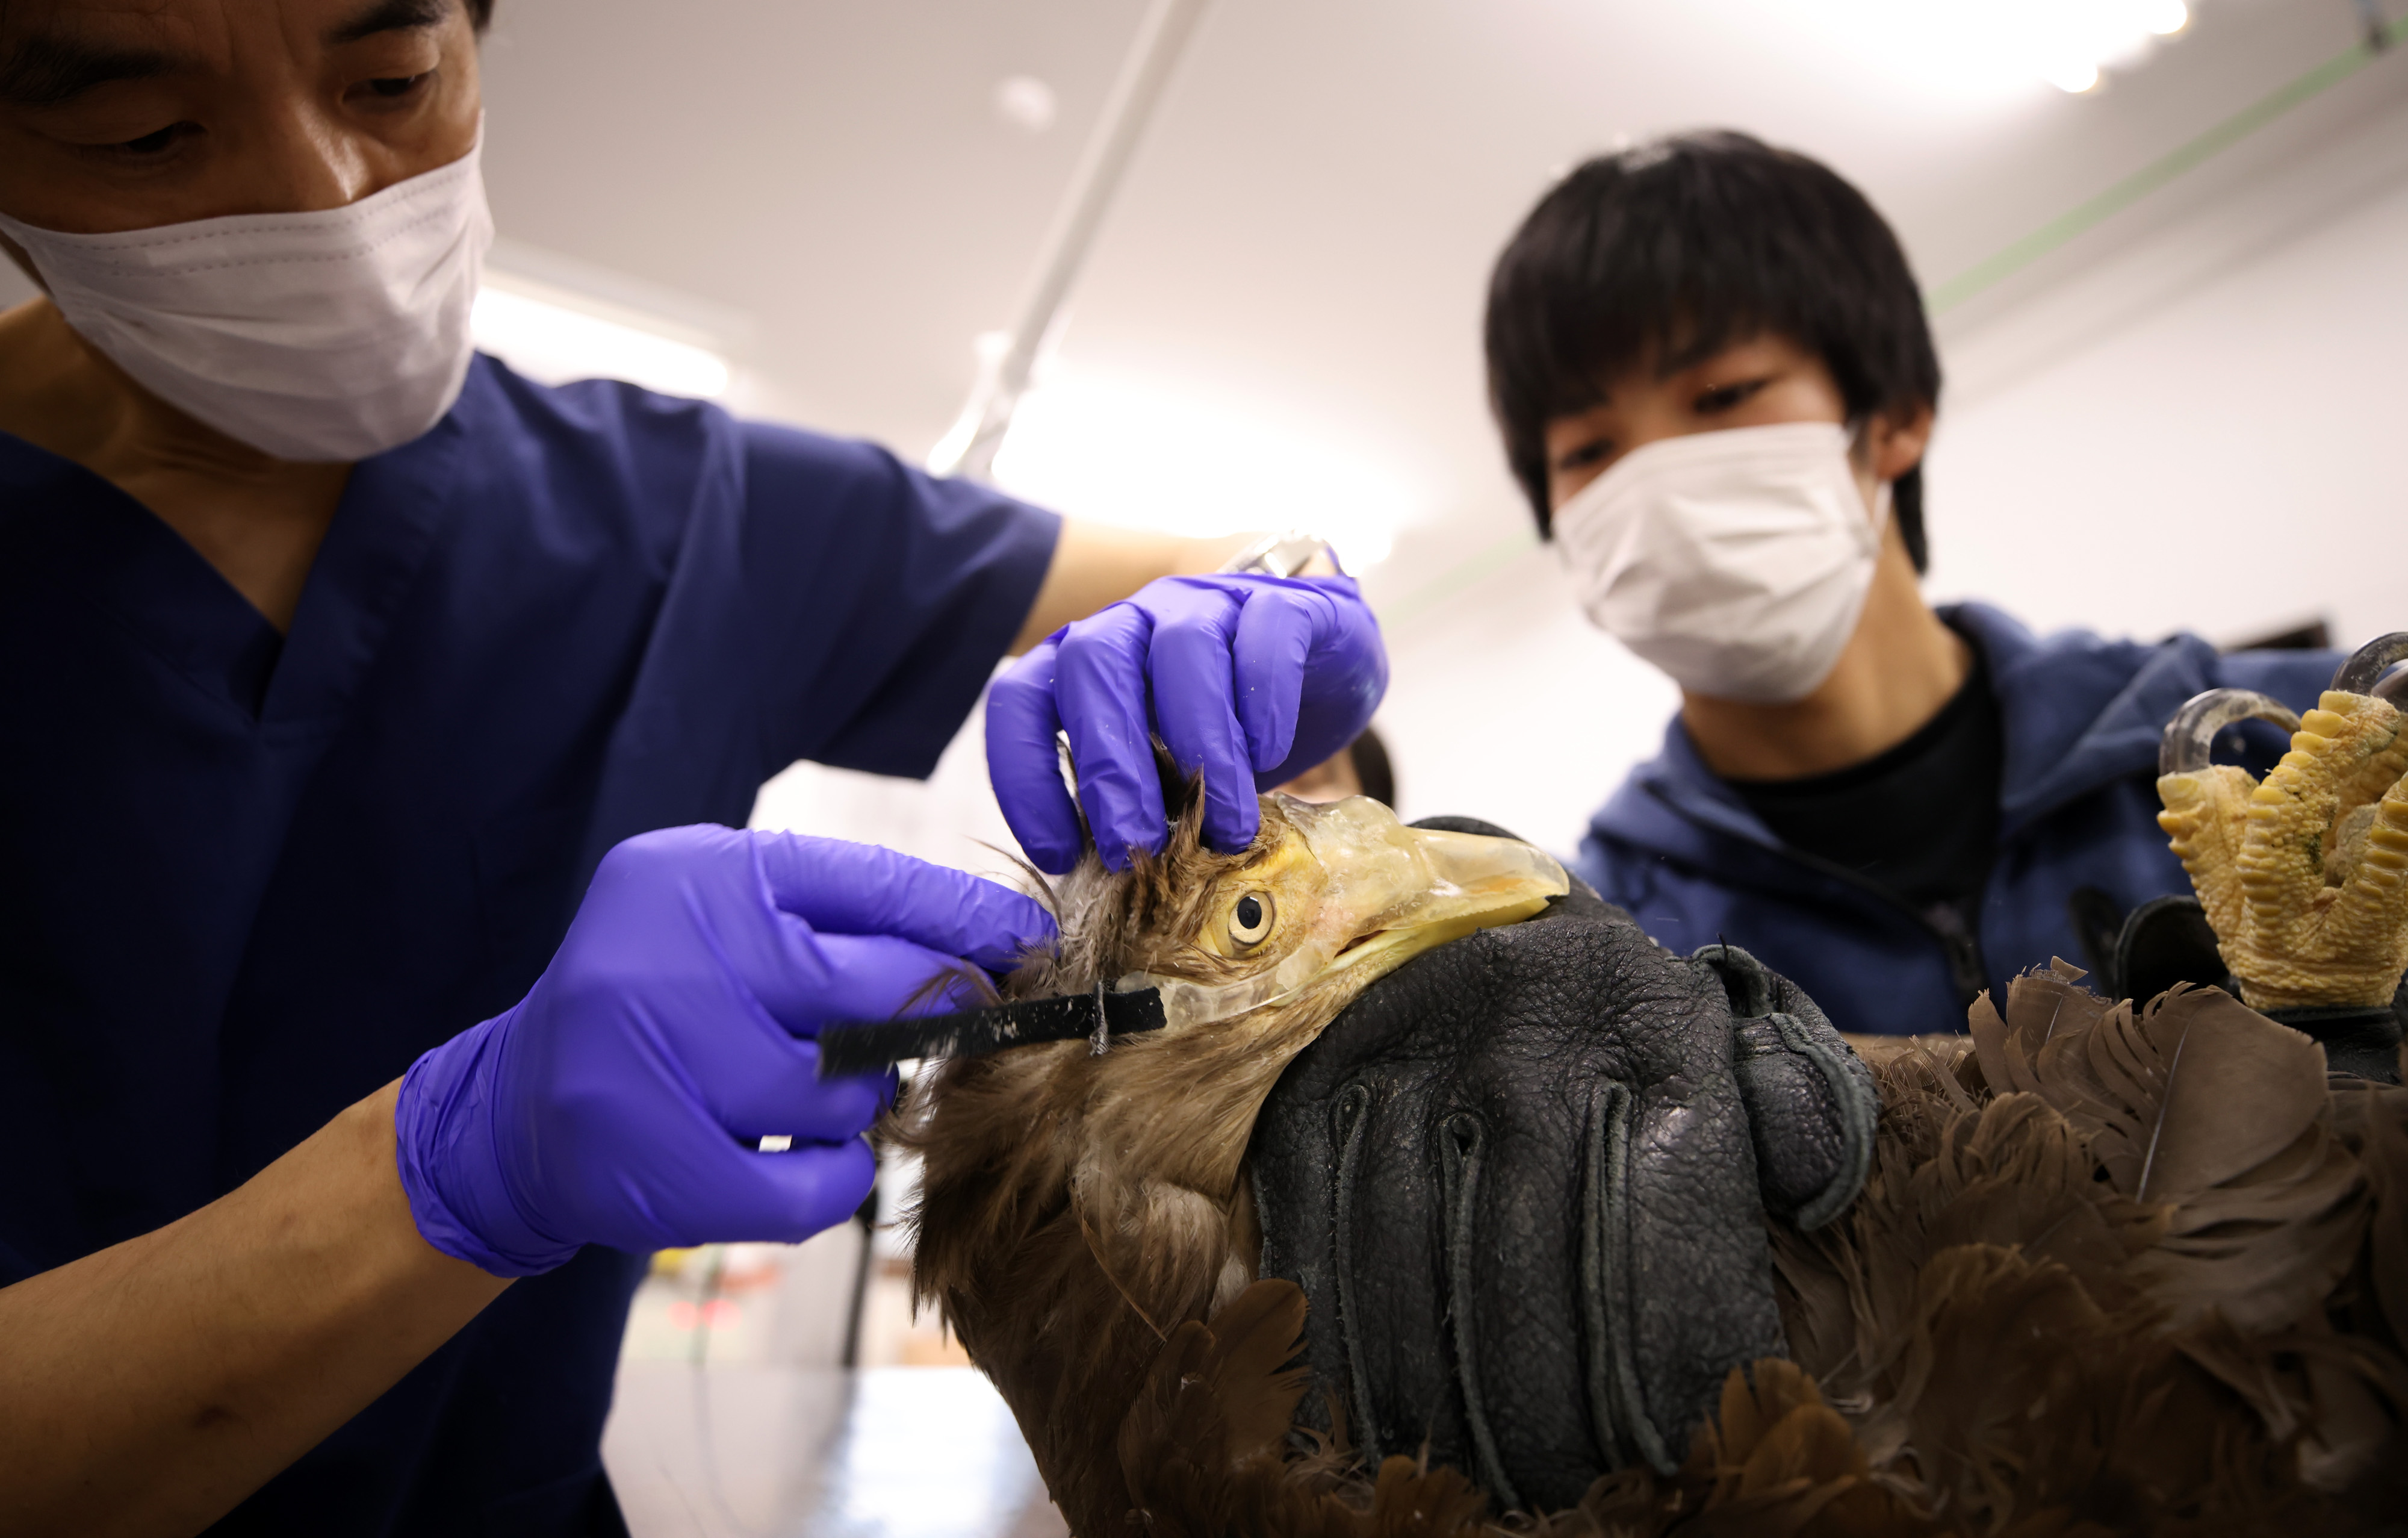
x=1372, y=769
x=1677, y=248
x=480, y=14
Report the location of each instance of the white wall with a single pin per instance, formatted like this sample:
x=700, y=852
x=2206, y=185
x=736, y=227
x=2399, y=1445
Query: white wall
x=2205, y=432
x=2201, y=430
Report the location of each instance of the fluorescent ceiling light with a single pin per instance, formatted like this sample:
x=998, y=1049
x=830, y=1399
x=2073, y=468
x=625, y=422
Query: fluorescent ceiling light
x=2165, y=17
x=1132, y=455
x=1965, y=51
x=552, y=336
x=2078, y=39
x=2073, y=75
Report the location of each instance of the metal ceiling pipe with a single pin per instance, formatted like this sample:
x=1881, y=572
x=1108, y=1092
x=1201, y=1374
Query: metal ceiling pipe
x=968, y=447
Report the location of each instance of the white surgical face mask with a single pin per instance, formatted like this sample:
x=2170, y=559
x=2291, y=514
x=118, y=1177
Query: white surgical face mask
x=328, y=335
x=1737, y=561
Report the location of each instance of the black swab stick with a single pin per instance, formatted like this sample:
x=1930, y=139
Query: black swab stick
x=873, y=1046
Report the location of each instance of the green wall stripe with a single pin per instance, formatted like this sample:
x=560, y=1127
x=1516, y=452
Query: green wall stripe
x=1996, y=268
x=2087, y=215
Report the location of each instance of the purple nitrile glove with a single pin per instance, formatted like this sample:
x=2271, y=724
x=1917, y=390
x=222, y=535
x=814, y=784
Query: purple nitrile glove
x=1253, y=680
x=618, y=1102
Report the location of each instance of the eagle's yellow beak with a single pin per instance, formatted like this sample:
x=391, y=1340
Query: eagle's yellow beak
x=1361, y=894
x=1395, y=891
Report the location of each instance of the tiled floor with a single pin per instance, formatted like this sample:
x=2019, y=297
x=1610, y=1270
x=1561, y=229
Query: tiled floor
x=728, y=1450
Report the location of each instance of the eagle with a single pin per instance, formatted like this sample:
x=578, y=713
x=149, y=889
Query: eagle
x=2118, y=1266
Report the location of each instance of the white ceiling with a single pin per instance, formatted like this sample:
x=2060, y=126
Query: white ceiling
x=1305, y=235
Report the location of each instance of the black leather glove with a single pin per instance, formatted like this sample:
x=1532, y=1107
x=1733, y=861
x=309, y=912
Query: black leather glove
x=1523, y=1182
x=2168, y=941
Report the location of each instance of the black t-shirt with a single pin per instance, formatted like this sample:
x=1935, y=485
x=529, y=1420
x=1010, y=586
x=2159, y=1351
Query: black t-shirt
x=1920, y=820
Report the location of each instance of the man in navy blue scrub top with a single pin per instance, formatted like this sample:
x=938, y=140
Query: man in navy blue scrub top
x=375, y=989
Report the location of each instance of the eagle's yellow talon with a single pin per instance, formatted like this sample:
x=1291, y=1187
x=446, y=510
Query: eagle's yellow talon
x=2304, y=877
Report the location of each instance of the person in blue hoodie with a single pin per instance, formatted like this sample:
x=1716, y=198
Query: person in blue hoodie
x=1711, y=367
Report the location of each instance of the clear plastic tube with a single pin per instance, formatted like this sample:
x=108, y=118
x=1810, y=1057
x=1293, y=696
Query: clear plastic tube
x=2362, y=674
x=2184, y=749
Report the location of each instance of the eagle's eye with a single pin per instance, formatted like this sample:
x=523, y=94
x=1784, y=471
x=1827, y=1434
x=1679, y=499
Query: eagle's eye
x=1250, y=918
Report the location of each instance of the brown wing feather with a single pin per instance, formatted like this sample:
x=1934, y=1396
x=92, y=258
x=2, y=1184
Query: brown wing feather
x=2109, y=1274
x=1218, y=1399
x=2113, y=1267
x=2376, y=1124
x=1203, y=1450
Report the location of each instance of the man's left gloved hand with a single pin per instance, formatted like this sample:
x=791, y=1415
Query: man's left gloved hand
x=1250, y=679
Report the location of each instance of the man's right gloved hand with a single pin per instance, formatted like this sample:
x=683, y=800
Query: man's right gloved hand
x=619, y=1102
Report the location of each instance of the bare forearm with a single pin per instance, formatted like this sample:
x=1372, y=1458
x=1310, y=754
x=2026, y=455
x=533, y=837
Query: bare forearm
x=213, y=1352
x=1094, y=565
